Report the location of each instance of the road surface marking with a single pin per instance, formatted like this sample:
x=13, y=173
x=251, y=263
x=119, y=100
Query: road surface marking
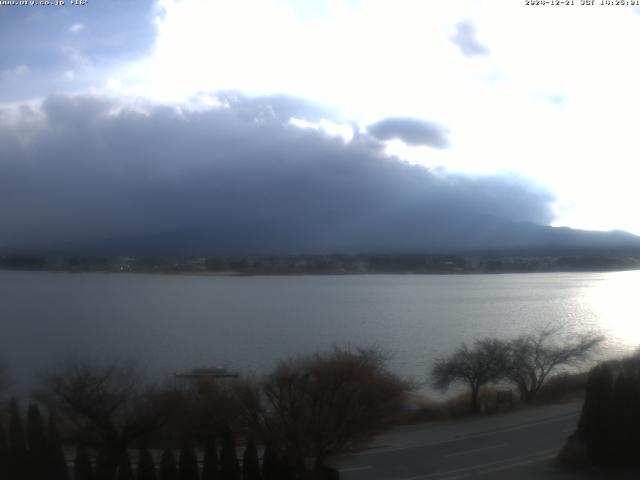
x=383, y=450
x=355, y=469
x=519, y=464
x=466, y=452
x=491, y=466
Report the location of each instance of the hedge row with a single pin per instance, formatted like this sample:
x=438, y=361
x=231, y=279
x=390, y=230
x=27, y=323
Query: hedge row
x=35, y=452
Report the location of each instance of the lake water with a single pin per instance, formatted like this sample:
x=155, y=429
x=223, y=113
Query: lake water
x=173, y=322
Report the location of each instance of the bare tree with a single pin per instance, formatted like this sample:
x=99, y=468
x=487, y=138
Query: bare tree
x=319, y=405
x=111, y=402
x=533, y=357
x=474, y=366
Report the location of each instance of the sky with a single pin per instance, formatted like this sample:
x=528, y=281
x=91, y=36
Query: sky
x=124, y=117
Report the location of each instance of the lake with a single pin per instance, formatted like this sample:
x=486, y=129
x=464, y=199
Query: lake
x=173, y=322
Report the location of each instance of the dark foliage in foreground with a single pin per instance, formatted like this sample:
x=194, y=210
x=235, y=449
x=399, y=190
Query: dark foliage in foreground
x=607, y=432
x=610, y=419
x=188, y=464
x=146, y=468
x=315, y=406
x=168, y=468
x=250, y=462
x=210, y=460
x=82, y=468
x=229, y=466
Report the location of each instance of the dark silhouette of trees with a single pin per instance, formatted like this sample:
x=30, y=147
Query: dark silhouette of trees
x=210, y=460
x=610, y=419
x=474, y=366
x=37, y=441
x=105, y=469
x=111, y=401
x=285, y=470
x=125, y=471
x=250, y=461
x=269, y=464
x=532, y=358
x=527, y=361
x=32, y=455
x=57, y=464
x=319, y=405
x=229, y=466
x=205, y=406
x=188, y=464
x=4, y=453
x=17, y=443
x=82, y=468
x=146, y=467
x=168, y=468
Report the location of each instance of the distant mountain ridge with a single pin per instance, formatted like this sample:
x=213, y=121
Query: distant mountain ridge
x=435, y=234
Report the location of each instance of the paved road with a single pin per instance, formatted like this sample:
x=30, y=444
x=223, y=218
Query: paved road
x=514, y=445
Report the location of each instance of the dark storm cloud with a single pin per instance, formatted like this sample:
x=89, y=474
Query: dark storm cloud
x=83, y=167
x=465, y=39
x=411, y=131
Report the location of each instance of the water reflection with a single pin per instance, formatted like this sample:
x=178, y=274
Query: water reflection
x=615, y=301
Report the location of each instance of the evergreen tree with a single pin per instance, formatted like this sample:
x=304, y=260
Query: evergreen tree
x=104, y=468
x=623, y=445
x=285, y=472
x=17, y=444
x=229, y=467
x=250, y=462
x=270, y=465
x=146, y=467
x=188, y=464
x=168, y=469
x=210, y=461
x=593, y=426
x=125, y=472
x=82, y=468
x=4, y=454
x=37, y=442
x=56, y=462
x=634, y=415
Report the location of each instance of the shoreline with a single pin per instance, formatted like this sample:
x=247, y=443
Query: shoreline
x=227, y=273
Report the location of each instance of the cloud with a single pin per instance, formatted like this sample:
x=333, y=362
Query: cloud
x=465, y=38
x=76, y=28
x=14, y=73
x=82, y=167
x=412, y=131
x=279, y=107
x=121, y=32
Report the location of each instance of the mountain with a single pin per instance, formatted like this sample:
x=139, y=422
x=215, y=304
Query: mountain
x=460, y=233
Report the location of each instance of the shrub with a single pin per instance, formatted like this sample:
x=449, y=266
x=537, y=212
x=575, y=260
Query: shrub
x=146, y=467
x=610, y=418
x=210, y=461
x=82, y=468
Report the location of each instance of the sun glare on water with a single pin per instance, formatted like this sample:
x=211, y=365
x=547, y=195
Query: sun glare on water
x=615, y=300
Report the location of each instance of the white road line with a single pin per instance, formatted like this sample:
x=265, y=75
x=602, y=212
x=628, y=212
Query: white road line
x=355, y=469
x=382, y=450
x=493, y=466
x=518, y=464
x=466, y=452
